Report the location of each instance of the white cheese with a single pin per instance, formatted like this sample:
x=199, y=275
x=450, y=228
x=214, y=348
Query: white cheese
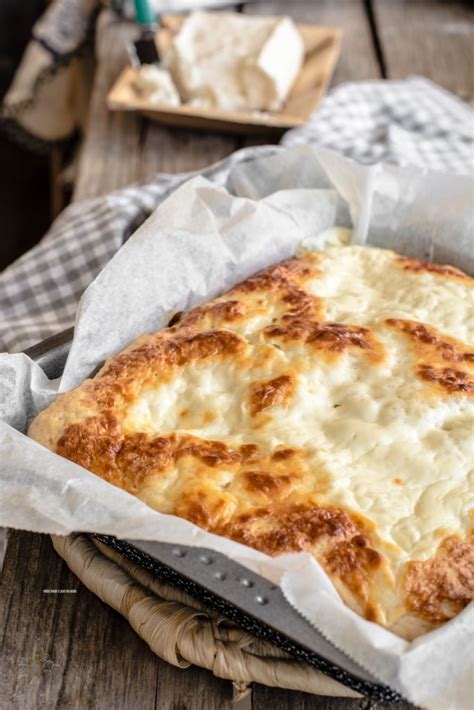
x=156, y=85
x=367, y=426
x=233, y=62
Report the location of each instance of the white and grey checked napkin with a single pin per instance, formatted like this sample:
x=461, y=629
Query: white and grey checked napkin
x=410, y=122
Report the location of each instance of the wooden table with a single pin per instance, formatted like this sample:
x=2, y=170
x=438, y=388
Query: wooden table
x=70, y=650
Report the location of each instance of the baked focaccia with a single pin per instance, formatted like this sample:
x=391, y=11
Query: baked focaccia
x=326, y=404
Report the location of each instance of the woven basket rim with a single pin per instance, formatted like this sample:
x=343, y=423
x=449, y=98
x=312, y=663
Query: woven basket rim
x=181, y=630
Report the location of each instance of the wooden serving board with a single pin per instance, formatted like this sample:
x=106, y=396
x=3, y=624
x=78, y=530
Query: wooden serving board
x=322, y=49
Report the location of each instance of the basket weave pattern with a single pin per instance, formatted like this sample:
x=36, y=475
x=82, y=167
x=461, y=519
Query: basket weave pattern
x=183, y=631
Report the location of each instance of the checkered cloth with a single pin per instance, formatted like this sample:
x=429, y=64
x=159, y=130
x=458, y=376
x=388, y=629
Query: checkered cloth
x=409, y=122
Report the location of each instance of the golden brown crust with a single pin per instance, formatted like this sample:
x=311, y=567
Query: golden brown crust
x=228, y=460
x=453, y=381
x=432, y=345
x=441, y=587
x=284, y=282
x=419, y=266
x=217, y=313
x=439, y=357
x=329, y=339
x=168, y=350
x=338, y=540
x=270, y=393
x=267, y=483
x=281, y=277
x=97, y=444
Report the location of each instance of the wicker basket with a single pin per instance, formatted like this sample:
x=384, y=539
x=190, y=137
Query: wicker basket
x=181, y=630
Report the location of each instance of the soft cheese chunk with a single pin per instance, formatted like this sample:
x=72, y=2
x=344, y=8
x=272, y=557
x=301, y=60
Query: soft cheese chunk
x=156, y=85
x=233, y=62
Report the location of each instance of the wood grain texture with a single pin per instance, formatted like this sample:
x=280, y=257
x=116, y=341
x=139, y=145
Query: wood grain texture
x=70, y=650
x=110, y=154
x=432, y=38
x=357, y=60
x=171, y=150
x=264, y=698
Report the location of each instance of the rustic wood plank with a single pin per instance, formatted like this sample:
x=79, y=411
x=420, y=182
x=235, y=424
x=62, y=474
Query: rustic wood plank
x=431, y=38
x=279, y=699
x=58, y=649
x=191, y=689
x=110, y=155
x=358, y=60
x=70, y=650
x=172, y=150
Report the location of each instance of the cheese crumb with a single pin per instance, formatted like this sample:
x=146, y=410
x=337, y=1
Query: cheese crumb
x=156, y=85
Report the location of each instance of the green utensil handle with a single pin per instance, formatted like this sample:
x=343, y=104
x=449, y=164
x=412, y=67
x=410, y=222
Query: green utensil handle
x=144, y=13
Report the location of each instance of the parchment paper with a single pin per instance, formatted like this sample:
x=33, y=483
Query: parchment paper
x=201, y=240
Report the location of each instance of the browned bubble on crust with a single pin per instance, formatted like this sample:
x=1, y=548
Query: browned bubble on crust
x=442, y=361
x=141, y=457
x=283, y=454
x=418, y=266
x=337, y=539
x=280, y=276
x=128, y=460
x=201, y=507
x=285, y=281
x=270, y=393
x=92, y=443
x=250, y=453
x=329, y=338
x=273, y=486
x=453, y=381
x=428, y=341
x=212, y=453
x=300, y=304
x=439, y=588
x=218, y=313
x=122, y=377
